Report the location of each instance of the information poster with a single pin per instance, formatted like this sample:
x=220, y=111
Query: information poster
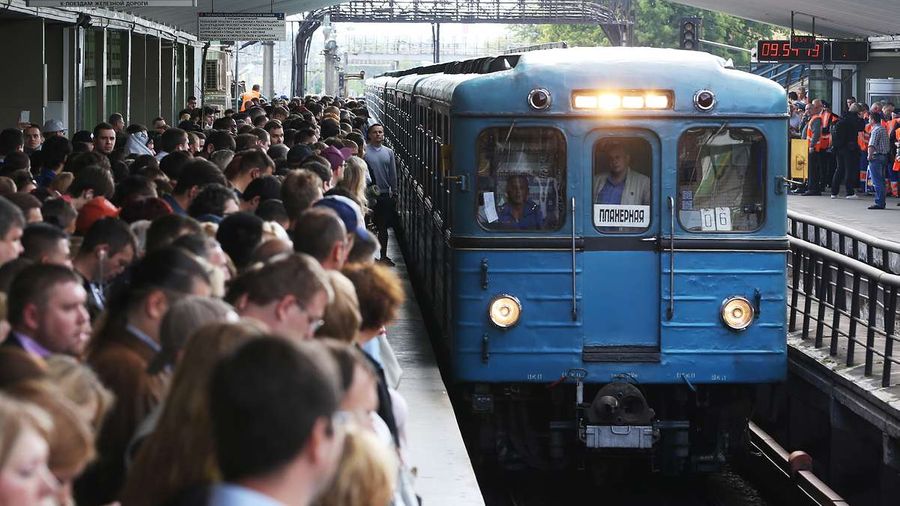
x=244, y=26
x=112, y=4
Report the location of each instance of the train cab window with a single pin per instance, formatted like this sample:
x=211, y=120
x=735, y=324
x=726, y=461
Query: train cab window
x=622, y=171
x=721, y=179
x=521, y=178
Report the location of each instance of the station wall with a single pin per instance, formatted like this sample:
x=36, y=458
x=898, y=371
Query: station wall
x=82, y=75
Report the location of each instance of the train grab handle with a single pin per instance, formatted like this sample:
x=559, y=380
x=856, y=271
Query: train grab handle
x=574, y=269
x=670, y=310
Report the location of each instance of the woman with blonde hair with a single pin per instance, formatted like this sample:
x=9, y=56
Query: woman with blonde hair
x=70, y=438
x=25, y=479
x=341, y=318
x=81, y=386
x=179, y=455
x=354, y=181
x=366, y=473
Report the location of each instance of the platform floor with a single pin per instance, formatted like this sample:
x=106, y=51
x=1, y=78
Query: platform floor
x=852, y=213
x=435, y=446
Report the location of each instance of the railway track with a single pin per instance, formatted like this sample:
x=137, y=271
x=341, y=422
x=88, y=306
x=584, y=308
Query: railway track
x=767, y=475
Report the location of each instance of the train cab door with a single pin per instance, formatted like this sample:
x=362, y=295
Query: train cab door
x=622, y=223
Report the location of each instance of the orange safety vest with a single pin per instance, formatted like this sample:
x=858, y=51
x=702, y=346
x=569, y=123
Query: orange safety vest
x=897, y=138
x=862, y=138
x=825, y=135
x=248, y=96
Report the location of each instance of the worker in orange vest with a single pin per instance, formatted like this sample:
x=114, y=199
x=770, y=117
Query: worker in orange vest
x=846, y=152
x=862, y=140
x=893, y=130
x=249, y=96
x=819, y=142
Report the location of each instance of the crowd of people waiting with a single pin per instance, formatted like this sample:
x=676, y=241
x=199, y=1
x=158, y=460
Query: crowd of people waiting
x=197, y=315
x=859, y=149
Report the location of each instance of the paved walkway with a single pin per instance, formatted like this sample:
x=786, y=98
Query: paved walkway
x=435, y=446
x=852, y=213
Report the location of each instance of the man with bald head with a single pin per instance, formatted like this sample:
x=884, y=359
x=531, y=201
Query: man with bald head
x=817, y=149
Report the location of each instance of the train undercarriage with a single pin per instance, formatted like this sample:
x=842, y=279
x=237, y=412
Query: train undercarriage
x=609, y=428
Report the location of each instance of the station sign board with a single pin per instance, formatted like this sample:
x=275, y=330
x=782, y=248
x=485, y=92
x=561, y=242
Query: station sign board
x=112, y=4
x=244, y=26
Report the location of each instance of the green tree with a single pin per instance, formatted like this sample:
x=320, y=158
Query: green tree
x=656, y=25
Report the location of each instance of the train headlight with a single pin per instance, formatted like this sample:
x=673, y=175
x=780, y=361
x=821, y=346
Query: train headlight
x=737, y=313
x=505, y=311
x=622, y=100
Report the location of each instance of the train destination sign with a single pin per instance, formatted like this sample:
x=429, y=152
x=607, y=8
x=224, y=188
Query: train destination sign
x=782, y=51
x=245, y=26
x=112, y=4
x=608, y=215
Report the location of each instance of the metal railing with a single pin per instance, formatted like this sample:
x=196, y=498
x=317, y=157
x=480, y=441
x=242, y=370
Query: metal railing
x=840, y=300
x=847, y=241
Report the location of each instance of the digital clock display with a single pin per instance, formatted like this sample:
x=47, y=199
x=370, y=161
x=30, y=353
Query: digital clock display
x=781, y=50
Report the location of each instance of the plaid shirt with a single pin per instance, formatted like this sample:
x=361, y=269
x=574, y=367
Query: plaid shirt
x=879, y=140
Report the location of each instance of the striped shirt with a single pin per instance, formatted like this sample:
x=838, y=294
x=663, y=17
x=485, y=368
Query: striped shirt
x=879, y=140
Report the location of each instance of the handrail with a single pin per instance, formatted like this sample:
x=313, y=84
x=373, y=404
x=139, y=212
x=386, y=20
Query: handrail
x=849, y=302
x=574, y=269
x=670, y=309
x=874, y=274
x=869, y=240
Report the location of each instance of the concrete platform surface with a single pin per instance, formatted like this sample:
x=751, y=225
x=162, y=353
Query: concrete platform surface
x=434, y=443
x=884, y=224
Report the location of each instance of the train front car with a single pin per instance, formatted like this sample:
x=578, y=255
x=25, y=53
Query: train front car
x=616, y=251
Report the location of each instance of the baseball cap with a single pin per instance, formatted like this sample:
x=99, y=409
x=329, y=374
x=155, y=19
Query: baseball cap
x=336, y=157
x=347, y=210
x=53, y=125
x=94, y=210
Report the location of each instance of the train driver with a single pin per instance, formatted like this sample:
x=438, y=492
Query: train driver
x=519, y=211
x=620, y=185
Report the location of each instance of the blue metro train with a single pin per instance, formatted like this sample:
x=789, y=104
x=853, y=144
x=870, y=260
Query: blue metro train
x=601, y=236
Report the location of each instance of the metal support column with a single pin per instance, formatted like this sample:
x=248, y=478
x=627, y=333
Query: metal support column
x=301, y=50
x=436, y=41
x=268, y=87
x=237, y=88
x=78, y=76
x=331, y=77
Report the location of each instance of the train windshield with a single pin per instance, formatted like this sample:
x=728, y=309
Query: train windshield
x=521, y=178
x=721, y=179
x=623, y=167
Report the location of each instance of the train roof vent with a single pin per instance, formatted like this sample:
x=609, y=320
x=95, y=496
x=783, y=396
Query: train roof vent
x=483, y=65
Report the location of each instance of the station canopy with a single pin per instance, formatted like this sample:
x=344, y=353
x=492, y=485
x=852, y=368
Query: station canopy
x=834, y=18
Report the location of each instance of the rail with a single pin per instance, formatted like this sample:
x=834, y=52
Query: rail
x=845, y=303
x=789, y=475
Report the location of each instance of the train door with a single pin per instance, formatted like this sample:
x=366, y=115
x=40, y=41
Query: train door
x=621, y=280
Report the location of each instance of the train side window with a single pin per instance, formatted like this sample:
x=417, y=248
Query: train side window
x=521, y=178
x=721, y=179
x=622, y=172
